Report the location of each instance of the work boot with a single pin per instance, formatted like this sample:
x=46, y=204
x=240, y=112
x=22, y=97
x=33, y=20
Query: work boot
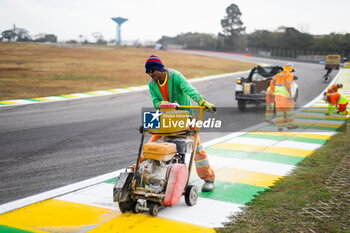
x=292, y=127
x=208, y=186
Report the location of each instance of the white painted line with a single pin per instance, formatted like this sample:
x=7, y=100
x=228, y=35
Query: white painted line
x=330, y=133
x=210, y=213
x=20, y=101
x=55, y=98
x=101, y=195
x=135, y=88
x=319, y=121
x=99, y=92
x=251, y=165
x=120, y=90
x=253, y=141
x=298, y=145
x=316, y=114
x=273, y=143
x=78, y=95
x=320, y=105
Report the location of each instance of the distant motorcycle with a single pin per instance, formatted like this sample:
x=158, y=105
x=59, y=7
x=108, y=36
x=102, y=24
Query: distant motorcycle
x=327, y=77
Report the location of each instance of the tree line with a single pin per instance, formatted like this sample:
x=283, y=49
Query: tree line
x=286, y=41
x=22, y=35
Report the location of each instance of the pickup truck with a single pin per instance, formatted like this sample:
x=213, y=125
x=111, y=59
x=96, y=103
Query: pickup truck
x=252, y=90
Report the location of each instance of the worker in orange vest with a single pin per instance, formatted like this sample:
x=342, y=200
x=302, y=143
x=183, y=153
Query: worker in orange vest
x=334, y=89
x=270, y=104
x=280, y=87
x=335, y=99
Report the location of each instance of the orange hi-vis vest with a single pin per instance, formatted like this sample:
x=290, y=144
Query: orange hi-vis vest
x=281, y=83
x=164, y=89
x=337, y=98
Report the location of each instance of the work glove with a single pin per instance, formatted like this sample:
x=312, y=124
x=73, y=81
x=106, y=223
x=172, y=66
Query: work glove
x=164, y=102
x=208, y=106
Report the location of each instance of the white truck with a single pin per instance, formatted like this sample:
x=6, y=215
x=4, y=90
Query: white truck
x=252, y=90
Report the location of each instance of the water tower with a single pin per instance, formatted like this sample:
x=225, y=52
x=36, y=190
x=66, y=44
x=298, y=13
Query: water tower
x=119, y=21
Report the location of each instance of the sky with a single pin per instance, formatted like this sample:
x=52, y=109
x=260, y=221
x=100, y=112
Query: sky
x=149, y=20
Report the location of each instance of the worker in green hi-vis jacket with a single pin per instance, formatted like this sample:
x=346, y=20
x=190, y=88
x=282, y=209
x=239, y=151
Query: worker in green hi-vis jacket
x=170, y=86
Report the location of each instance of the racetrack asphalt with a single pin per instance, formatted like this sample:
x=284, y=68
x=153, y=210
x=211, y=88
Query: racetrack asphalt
x=49, y=145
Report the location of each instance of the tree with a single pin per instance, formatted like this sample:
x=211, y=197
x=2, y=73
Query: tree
x=46, y=38
x=8, y=35
x=191, y=40
x=260, y=39
x=232, y=26
x=22, y=34
x=232, y=23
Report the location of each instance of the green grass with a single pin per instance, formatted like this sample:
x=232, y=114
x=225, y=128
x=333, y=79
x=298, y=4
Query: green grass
x=314, y=198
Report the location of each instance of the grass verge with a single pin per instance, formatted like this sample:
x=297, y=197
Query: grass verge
x=314, y=198
x=30, y=70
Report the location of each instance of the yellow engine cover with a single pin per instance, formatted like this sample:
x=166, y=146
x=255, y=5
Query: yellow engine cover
x=163, y=151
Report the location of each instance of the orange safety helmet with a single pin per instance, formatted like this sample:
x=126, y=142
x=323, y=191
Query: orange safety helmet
x=289, y=67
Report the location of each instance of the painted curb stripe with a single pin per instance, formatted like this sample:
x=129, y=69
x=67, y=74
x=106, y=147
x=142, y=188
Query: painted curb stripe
x=329, y=118
x=319, y=135
x=323, y=122
x=8, y=102
x=323, y=106
x=273, y=143
x=281, y=138
x=105, y=92
x=245, y=177
x=250, y=165
x=261, y=156
x=315, y=111
x=18, y=229
x=321, y=111
x=275, y=149
x=58, y=216
x=131, y=223
x=325, y=127
x=101, y=196
x=233, y=192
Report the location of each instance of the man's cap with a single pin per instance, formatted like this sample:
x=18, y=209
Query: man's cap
x=154, y=62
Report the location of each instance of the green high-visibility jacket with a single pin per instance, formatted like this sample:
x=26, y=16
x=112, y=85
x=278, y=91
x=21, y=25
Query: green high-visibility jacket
x=180, y=90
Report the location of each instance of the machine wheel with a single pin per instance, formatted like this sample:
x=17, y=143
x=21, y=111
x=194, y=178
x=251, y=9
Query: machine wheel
x=153, y=208
x=326, y=78
x=124, y=206
x=136, y=207
x=241, y=105
x=191, y=195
